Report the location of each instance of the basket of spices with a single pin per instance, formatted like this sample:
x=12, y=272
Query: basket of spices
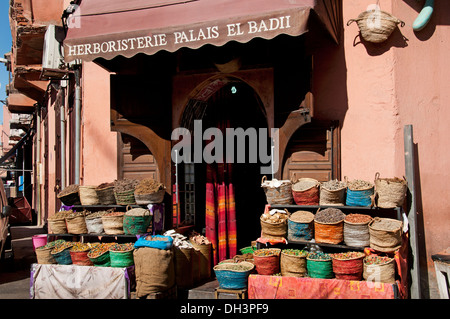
x=319, y=265
x=356, y=230
x=76, y=223
x=385, y=234
x=390, y=192
x=124, y=191
x=359, y=193
x=105, y=194
x=69, y=195
x=293, y=262
x=121, y=255
x=274, y=224
x=113, y=223
x=332, y=193
x=61, y=253
x=57, y=223
x=136, y=221
x=267, y=261
x=305, y=191
x=43, y=253
x=94, y=222
x=79, y=252
x=149, y=191
x=379, y=269
x=329, y=226
x=88, y=195
x=278, y=192
x=99, y=255
x=301, y=226
x=233, y=275
x=348, y=265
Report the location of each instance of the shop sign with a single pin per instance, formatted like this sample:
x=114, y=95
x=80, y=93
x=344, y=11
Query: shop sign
x=170, y=39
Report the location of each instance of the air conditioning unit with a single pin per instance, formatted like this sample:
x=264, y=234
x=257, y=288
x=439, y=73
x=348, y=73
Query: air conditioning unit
x=52, y=55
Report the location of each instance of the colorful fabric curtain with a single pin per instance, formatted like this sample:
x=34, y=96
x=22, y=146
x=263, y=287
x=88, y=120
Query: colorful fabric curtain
x=220, y=211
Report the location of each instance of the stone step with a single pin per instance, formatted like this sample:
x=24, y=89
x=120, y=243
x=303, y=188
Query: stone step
x=207, y=291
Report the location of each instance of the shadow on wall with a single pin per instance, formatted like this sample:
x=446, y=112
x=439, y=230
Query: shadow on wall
x=396, y=40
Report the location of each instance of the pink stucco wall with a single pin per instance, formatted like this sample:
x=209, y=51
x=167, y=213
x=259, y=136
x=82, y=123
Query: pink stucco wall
x=99, y=144
x=377, y=89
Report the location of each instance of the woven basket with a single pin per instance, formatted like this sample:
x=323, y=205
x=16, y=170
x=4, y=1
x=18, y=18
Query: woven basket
x=380, y=272
x=330, y=197
x=309, y=196
x=330, y=233
x=274, y=230
x=105, y=195
x=376, y=25
x=385, y=239
x=57, y=226
x=356, y=234
x=113, y=225
x=88, y=195
x=281, y=195
x=153, y=198
x=293, y=265
x=125, y=198
x=233, y=275
x=44, y=256
x=121, y=258
x=76, y=225
x=390, y=192
x=70, y=198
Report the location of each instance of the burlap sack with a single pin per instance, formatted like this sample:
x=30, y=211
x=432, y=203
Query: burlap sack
x=154, y=270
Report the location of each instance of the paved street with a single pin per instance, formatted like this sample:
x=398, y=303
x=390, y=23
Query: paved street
x=15, y=276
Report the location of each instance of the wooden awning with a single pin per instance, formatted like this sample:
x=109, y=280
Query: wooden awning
x=105, y=28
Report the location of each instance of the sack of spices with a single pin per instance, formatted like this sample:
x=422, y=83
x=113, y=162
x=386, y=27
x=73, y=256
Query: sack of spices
x=278, y=192
x=203, y=248
x=88, y=195
x=43, y=253
x=136, y=221
x=113, y=223
x=233, y=275
x=149, y=191
x=121, y=255
x=356, y=230
x=329, y=226
x=79, y=253
x=379, y=269
x=105, y=194
x=94, y=222
x=267, y=261
x=332, y=193
x=124, y=191
x=293, y=262
x=305, y=191
x=359, y=193
x=385, y=234
x=301, y=226
x=76, y=223
x=99, y=255
x=319, y=265
x=274, y=224
x=69, y=195
x=390, y=192
x=61, y=253
x=57, y=223
x=348, y=265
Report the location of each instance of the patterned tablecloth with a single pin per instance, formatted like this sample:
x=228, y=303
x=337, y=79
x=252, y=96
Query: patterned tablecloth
x=80, y=282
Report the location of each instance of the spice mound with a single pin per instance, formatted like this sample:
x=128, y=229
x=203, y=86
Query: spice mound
x=69, y=190
x=97, y=214
x=385, y=224
x=333, y=185
x=319, y=256
x=303, y=184
x=104, y=186
x=148, y=186
x=79, y=247
x=61, y=247
x=358, y=218
x=377, y=260
x=295, y=252
x=329, y=216
x=52, y=244
x=359, y=184
x=124, y=185
x=348, y=255
x=121, y=247
x=61, y=214
x=266, y=252
x=114, y=214
x=99, y=250
x=302, y=216
x=275, y=216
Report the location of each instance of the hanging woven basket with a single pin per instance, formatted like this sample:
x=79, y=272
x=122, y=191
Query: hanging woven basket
x=376, y=25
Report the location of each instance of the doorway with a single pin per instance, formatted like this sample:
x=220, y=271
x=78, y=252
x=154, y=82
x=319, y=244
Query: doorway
x=233, y=105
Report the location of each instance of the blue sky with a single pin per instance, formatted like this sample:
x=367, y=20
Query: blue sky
x=5, y=47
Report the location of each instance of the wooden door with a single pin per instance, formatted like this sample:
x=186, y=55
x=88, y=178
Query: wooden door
x=135, y=159
x=313, y=152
